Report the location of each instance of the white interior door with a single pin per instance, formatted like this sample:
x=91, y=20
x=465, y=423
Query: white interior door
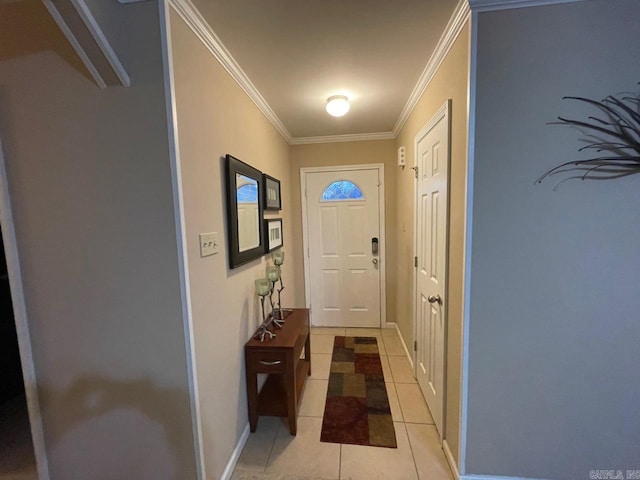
x=432, y=162
x=343, y=218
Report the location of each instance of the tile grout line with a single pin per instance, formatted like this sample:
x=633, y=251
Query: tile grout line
x=273, y=444
x=395, y=390
x=413, y=456
x=400, y=404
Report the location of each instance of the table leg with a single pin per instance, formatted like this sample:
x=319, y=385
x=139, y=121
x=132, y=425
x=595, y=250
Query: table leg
x=307, y=353
x=252, y=395
x=292, y=396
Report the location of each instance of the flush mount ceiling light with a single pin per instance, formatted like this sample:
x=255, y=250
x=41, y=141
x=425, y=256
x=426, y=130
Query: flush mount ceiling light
x=338, y=105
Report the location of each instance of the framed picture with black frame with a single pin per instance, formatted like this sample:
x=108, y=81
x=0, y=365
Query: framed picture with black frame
x=271, y=188
x=272, y=234
x=244, y=212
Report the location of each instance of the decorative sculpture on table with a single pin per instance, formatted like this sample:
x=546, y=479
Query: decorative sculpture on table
x=278, y=260
x=266, y=287
x=273, y=275
x=262, y=290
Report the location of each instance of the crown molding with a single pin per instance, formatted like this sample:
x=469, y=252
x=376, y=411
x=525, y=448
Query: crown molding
x=102, y=41
x=79, y=26
x=489, y=5
x=190, y=14
x=192, y=17
x=356, y=137
x=456, y=23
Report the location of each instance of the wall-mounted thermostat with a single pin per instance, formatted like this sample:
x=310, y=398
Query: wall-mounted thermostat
x=401, y=158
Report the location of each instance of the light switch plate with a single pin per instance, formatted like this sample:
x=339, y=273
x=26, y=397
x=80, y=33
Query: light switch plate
x=401, y=157
x=208, y=244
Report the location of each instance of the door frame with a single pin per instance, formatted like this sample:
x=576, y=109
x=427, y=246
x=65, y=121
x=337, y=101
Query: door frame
x=444, y=112
x=22, y=325
x=165, y=7
x=305, y=230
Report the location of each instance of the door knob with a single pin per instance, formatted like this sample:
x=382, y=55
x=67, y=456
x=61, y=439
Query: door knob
x=375, y=261
x=435, y=299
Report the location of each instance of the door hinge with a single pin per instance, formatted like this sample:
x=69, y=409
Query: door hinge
x=415, y=345
x=415, y=262
x=415, y=171
x=308, y=256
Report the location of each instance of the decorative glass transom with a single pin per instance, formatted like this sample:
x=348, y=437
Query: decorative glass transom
x=342, y=190
x=248, y=193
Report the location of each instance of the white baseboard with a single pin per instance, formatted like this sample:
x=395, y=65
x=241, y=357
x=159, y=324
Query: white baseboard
x=404, y=345
x=235, y=455
x=450, y=460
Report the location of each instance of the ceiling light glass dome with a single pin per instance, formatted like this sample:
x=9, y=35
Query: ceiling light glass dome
x=338, y=105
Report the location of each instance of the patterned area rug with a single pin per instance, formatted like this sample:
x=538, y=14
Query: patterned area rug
x=357, y=408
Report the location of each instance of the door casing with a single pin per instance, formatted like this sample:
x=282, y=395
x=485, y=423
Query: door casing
x=22, y=325
x=305, y=230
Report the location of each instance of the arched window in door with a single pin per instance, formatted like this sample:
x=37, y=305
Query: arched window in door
x=248, y=193
x=342, y=190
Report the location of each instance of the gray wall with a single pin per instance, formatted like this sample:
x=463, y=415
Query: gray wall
x=555, y=293
x=90, y=184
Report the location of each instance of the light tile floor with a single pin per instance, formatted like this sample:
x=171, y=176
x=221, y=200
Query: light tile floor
x=272, y=454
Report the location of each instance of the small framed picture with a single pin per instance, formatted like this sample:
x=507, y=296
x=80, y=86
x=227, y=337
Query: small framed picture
x=273, y=234
x=272, y=200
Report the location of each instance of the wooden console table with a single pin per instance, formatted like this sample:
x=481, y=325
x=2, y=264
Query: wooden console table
x=280, y=358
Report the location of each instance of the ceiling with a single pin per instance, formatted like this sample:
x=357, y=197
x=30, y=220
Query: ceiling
x=297, y=53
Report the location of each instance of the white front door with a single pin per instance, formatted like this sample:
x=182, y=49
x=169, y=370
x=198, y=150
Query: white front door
x=343, y=222
x=432, y=162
